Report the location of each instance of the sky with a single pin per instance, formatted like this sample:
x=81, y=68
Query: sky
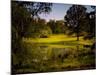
x=59, y=11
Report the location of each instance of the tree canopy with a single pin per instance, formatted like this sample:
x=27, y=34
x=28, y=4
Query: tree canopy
x=74, y=18
x=23, y=14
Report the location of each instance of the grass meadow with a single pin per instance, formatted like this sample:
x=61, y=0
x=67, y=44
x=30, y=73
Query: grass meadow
x=57, y=53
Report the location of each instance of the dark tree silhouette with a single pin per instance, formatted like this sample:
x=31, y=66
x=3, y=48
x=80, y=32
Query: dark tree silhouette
x=35, y=8
x=22, y=16
x=24, y=12
x=73, y=18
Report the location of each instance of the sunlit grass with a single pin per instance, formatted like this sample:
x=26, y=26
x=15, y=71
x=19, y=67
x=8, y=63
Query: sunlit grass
x=58, y=39
x=51, y=39
x=57, y=52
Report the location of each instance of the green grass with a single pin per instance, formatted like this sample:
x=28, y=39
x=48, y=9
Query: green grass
x=53, y=46
x=56, y=39
x=51, y=39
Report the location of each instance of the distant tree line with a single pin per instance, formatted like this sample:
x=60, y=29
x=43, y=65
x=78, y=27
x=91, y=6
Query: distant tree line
x=39, y=28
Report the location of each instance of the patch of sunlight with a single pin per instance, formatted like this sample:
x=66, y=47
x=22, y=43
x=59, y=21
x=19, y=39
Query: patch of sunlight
x=60, y=46
x=57, y=38
x=51, y=39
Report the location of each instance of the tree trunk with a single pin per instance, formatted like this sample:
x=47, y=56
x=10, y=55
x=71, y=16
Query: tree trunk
x=77, y=33
x=77, y=37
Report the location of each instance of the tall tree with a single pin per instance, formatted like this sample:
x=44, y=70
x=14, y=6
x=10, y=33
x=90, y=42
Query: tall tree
x=92, y=20
x=24, y=12
x=73, y=18
x=36, y=8
x=90, y=27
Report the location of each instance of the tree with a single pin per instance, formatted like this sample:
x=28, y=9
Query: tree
x=35, y=8
x=52, y=25
x=57, y=26
x=91, y=26
x=22, y=16
x=73, y=18
x=38, y=28
x=24, y=12
x=92, y=20
x=60, y=27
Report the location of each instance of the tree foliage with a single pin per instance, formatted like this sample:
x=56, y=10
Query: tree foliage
x=36, y=8
x=57, y=27
x=22, y=16
x=74, y=17
x=79, y=21
x=38, y=29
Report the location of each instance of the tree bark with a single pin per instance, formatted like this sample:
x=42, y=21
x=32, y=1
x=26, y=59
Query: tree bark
x=78, y=33
x=77, y=37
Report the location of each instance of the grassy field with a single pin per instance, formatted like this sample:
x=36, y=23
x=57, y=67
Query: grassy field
x=58, y=38
x=59, y=41
x=57, y=53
